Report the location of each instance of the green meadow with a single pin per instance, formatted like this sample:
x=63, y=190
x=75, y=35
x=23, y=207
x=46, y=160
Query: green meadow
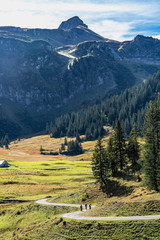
x=33, y=180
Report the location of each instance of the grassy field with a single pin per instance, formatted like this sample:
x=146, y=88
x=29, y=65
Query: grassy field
x=32, y=176
x=31, y=221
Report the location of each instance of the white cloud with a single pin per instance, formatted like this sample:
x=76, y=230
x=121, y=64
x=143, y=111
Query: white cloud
x=8, y=5
x=112, y=29
x=157, y=36
x=23, y=19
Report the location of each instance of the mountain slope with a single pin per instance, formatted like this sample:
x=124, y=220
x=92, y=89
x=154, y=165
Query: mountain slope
x=42, y=77
x=45, y=83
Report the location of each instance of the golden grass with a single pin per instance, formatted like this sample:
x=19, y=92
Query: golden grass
x=28, y=149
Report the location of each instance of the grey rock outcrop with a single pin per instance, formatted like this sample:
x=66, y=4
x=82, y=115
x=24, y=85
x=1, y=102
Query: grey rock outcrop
x=72, y=23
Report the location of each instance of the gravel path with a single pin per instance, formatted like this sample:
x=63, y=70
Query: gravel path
x=75, y=215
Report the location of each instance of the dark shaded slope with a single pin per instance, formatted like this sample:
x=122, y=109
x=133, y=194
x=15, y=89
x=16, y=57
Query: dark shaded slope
x=129, y=107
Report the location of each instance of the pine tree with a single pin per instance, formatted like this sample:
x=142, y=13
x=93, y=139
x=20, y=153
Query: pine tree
x=6, y=141
x=2, y=142
x=62, y=147
x=119, y=146
x=78, y=137
x=65, y=141
x=100, y=166
x=152, y=146
x=133, y=148
x=112, y=157
x=6, y=145
x=41, y=149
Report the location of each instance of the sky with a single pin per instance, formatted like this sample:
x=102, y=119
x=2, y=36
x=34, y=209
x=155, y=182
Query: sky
x=114, y=19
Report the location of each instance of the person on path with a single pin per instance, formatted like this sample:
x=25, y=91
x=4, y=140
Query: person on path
x=81, y=208
x=89, y=206
x=86, y=206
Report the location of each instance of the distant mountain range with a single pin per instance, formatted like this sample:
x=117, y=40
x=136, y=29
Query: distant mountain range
x=47, y=72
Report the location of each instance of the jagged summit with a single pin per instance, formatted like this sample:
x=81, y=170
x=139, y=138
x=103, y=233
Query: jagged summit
x=72, y=23
x=142, y=38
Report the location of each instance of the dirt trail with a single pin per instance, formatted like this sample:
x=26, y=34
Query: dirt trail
x=75, y=215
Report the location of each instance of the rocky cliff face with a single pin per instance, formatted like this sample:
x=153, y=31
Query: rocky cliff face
x=39, y=81
x=72, y=23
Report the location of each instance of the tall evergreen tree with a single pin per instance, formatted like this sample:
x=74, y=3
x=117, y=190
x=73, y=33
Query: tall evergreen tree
x=119, y=146
x=133, y=147
x=41, y=149
x=100, y=166
x=6, y=141
x=152, y=146
x=78, y=137
x=112, y=157
x=65, y=141
x=62, y=147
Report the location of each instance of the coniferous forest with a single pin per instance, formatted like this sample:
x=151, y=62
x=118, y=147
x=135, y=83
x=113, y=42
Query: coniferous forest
x=119, y=157
x=128, y=106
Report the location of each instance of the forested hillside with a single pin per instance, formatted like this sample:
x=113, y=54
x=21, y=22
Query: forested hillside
x=129, y=107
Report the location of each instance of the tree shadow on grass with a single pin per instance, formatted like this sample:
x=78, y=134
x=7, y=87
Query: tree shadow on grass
x=131, y=173
x=114, y=188
x=126, y=176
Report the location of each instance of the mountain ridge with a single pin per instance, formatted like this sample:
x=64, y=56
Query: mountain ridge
x=79, y=32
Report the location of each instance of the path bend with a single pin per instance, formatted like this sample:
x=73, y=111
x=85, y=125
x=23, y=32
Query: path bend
x=75, y=215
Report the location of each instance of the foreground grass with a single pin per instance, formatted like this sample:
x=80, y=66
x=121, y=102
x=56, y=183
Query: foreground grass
x=102, y=230
x=27, y=217
x=33, y=221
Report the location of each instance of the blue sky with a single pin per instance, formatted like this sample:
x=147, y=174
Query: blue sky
x=115, y=19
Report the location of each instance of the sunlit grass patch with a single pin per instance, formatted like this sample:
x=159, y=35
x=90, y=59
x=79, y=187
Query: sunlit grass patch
x=33, y=179
x=27, y=217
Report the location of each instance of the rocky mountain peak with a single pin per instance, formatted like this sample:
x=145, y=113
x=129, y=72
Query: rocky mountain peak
x=139, y=37
x=72, y=23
